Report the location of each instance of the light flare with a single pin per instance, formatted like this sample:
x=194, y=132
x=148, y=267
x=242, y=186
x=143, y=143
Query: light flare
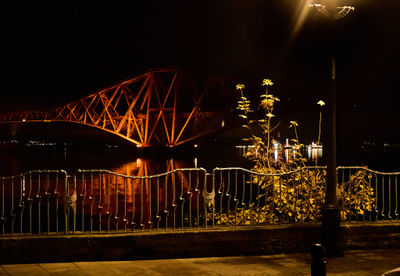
x=303, y=10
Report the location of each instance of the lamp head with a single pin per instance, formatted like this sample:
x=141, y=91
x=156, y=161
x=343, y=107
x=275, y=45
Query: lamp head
x=331, y=8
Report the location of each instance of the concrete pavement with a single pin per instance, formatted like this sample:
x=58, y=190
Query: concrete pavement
x=357, y=262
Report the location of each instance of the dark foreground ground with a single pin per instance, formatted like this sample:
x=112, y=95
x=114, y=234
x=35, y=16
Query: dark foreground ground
x=356, y=262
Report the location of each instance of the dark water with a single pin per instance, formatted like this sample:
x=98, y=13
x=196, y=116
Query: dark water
x=17, y=158
x=40, y=146
x=21, y=156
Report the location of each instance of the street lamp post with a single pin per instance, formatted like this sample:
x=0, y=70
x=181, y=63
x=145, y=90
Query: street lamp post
x=330, y=209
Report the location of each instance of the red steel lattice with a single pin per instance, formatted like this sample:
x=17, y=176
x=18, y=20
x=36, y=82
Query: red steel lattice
x=160, y=107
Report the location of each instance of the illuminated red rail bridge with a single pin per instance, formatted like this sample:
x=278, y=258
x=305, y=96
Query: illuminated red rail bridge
x=162, y=107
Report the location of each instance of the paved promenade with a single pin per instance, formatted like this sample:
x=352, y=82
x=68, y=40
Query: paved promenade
x=359, y=262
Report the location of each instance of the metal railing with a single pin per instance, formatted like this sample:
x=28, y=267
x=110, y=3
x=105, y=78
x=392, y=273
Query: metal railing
x=44, y=202
x=33, y=202
x=107, y=201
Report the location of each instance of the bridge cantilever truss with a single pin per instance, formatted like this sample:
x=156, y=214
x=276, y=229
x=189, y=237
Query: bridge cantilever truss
x=160, y=107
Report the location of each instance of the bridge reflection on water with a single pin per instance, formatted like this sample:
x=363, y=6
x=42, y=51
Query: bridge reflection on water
x=111, y=200
x=146, y=167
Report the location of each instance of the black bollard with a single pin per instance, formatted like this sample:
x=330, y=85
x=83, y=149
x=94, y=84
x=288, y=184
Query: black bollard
x=318, y=262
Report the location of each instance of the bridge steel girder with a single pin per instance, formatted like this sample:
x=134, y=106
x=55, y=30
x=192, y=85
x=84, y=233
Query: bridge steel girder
x=161, y=107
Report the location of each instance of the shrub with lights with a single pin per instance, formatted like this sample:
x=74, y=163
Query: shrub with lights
x=291, y=191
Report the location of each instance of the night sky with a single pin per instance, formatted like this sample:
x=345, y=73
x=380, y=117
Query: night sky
x=56, y=52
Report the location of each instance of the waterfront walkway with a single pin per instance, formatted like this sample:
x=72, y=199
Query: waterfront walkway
x=357, y=262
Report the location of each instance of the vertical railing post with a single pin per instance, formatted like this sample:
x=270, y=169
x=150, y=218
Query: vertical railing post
x=57, y=195
x=211, y=198
x=21, y=202
x=166, y=212
x=116, y=215
x=158, y=217
x=205, y=201
x=2, y=215
x=91, y=198
x=208, y=199
x=396, y=212
x=100, y=203
x=235, y=200
x=182, y=199
x=150, y=220
x=12, y=213
x=173, y=203
x=48, y=195
x=196, y=189
x=66, y=205
x=141, y=204
x=83, y=197
x=39, y=203
x=189, y=193
x=133, y=223
x=73, y=205
x=125, y=220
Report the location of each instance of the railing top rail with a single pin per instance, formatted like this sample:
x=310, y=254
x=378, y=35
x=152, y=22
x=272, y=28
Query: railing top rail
x=194, y=169
x=366, y=169
x=142, y=177
x=32, y=172
x=267, y=174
